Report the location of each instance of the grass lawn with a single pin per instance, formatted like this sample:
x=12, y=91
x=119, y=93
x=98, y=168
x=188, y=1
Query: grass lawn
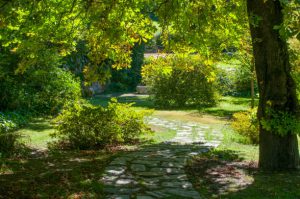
x=229, y=105
x=37, y=133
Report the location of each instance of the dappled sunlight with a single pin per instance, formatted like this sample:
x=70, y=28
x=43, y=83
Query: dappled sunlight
x=224, y=174
x=56, y=174
x=155, y=170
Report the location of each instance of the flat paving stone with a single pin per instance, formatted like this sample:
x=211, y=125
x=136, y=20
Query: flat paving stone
x=144, y=197
x=125, y=182
x=138, y=167
x=172, y=165
x=150, y=174
x=147, y=163
x=157, y=194
x=175, y=184
x=183, y=193
x=115, y=170
x=119, y=197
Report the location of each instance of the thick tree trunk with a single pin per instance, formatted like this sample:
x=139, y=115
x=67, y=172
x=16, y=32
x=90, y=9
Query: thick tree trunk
x=276, y=87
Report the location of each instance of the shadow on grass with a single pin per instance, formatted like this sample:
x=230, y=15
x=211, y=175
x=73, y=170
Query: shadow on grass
x=219, y=112
x=141, y=101
x=57, y=174
x=78, y=174
x=222, y=174
x=38, y=124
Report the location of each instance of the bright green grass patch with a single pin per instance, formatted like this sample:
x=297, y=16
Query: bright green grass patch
x=246, y=152
x=163, y=136
x=159, y=135
x=224, y=108
x=227, y=106
x=37, y=133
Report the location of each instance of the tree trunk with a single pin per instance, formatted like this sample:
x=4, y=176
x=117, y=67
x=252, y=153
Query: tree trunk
x=276, y=87
x=252, y=83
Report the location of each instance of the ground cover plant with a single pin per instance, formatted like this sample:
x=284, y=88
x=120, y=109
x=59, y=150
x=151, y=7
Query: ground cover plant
x=246, y=124
x=9, y=123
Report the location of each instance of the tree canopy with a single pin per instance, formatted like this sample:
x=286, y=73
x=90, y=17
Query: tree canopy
x=39, y=34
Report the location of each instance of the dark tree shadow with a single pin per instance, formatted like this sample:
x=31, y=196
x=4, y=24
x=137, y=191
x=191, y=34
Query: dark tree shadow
x=57, y=174
x=73, y=174
x=138, y=100
x=224, y=175
x=38, y=124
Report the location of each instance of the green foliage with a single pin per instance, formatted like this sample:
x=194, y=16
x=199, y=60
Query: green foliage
x=85, y=126
x=246, y=124
x=44, y=32
x=178, y=81
x=234, y=81
x=127, y=79
x=294, y=55
x=206, y=27
x=40, y=90
x=9, y=122
x=291, y=25
x=281, y=122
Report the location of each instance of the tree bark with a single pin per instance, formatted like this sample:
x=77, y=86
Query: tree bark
x=252, y=83
x=277, y=88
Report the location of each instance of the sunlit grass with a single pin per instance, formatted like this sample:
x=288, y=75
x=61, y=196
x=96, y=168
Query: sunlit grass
x=37, y=133
x=228, y=106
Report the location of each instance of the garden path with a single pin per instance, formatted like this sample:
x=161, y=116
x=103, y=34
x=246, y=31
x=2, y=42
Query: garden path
x=157, y=171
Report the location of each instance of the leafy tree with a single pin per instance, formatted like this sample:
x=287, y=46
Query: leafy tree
x=44, y=32
x=41, y=33
x=208, y=26
x=277, y=88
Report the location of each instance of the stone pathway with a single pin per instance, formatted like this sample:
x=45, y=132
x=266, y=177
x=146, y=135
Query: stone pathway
x=157, y=171
x=189, y=132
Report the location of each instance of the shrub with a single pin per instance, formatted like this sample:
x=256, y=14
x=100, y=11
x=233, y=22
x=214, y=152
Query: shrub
x=177, y=81
x=9, y=122
x=235, y=81
x=246, y=124
x=85, y=126
x=40, y=90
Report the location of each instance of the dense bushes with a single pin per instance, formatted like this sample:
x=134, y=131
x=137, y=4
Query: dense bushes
x=85, y=126
x=246, y=124
x=41, y=90
x=9, y=122
x=178, y=81
x=234, y=81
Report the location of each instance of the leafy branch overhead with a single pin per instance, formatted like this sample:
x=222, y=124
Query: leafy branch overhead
x=41, y=33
